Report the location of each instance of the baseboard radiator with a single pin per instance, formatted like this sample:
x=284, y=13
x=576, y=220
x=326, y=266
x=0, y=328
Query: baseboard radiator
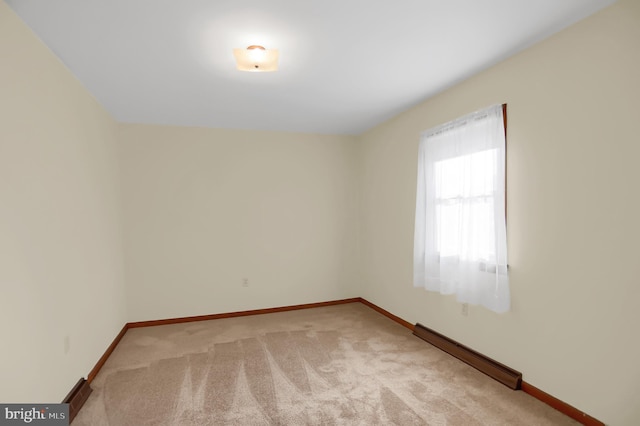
x=77, y=397
x=500, y=372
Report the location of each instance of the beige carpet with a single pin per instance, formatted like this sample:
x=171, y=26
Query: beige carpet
x=338, y=365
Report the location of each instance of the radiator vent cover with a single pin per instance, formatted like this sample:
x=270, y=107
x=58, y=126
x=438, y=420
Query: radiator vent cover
x=77, y=397
x=500, y=372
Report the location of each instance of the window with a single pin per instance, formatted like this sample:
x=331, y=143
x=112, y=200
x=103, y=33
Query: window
x=460, y=231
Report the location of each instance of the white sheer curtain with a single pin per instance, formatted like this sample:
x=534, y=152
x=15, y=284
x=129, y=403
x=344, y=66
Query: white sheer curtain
x=460, y=241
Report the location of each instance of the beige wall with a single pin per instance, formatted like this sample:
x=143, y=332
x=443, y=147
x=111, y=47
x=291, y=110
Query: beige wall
x=61, y=273
x=206, y=208
x=573, y=211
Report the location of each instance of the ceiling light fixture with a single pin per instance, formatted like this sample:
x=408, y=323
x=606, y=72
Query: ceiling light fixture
x=256, y=59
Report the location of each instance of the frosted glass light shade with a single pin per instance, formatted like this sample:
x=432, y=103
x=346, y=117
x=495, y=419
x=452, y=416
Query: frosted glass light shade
x=256, y=59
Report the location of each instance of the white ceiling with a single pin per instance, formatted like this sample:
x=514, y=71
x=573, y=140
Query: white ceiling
x=345, y=65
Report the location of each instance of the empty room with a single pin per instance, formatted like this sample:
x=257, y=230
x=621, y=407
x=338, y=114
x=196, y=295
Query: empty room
x=320, y=212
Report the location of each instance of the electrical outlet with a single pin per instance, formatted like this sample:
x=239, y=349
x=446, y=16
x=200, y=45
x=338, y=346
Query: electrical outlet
x=67, y=344
x=465, y=309
x=245, y=282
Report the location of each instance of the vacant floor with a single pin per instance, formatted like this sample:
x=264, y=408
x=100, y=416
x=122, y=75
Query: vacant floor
x=344, y=364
